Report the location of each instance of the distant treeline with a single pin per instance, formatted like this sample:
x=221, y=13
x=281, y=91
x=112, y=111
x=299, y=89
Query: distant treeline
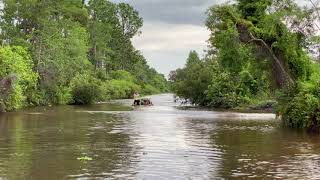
x=259, y=56
x=71, y=52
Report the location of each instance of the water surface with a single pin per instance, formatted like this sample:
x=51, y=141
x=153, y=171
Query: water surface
x=112, y=141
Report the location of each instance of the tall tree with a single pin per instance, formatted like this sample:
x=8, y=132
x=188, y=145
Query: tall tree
x=101, y=23
x=129, y=20
x=193, y=58
x=128, y=25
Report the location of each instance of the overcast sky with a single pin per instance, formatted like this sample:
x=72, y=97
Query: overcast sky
x=171, y=29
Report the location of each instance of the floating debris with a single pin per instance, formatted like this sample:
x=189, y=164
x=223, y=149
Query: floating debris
x=84, y=158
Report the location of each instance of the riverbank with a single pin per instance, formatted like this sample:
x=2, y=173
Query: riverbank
x=119, y=101
x=261, y=107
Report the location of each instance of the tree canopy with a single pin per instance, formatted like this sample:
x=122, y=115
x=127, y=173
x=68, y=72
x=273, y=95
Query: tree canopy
x=258, y=54
x=73, y=48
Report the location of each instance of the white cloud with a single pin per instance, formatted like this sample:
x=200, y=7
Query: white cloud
x=167, y=45
x=171, y=37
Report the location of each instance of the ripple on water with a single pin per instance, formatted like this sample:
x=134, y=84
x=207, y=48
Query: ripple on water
x=159, y=142
x=304, y=166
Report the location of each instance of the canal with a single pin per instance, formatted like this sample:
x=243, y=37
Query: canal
x=116, y=141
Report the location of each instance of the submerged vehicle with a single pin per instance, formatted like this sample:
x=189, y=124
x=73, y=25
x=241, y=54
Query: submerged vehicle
x=142, y=102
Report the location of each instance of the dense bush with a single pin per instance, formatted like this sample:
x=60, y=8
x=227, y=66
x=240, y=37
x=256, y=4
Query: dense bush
x=224, y=92
x=15, y=61
x=149, y=89
x=121, y=89
x=86, y=89
x=85, y=94
x=222, y=82
x=122, y=85
x=301, y=108
x=122, y=75
x=53, y=95
x=303, y=112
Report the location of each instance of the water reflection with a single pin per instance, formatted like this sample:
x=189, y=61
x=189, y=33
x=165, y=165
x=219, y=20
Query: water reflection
x=46, y=145
x=265, y=150
x=159, y=142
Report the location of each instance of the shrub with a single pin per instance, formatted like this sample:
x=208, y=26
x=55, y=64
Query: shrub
x=84, y=94
x=56, y=95
x=122, y=75
x=225, y=92
x=15, y=100
x=303, y=112
x=148, y=90
x=86, y=89
x=15, y=61
x=120, y=89
x=121, y=86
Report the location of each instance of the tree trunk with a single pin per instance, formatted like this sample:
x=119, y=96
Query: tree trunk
x=6, y=86
x=280, y=75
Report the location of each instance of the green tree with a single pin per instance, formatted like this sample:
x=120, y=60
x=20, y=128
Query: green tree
x=101, y=23
x=128, y=25
x=76, y=48
x=129, y=20
x=62, y=56
x=192, y=81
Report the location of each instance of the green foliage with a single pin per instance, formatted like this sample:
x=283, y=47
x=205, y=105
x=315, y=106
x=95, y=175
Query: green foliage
x=233, y=55
x=191, y=81
x=220, y=17
x=85, y=94
x=122, y=75
x=303, y=110
x=248, y=41
x=126, y=69
x=59, y=58
x=15, y=61
x=15, y=100
x=159, y=83
x=62, y=57
x=80, y=52
x=230, y=79
x=56, y=95
x=100, y=28
x=230, y=91
x=149, y=89
x=119, y=85
x=223, y=92
x=241, y=78
x=121, y=89
x=129, y=20
x=298, y=61
x=253, y=10
x=86, y=89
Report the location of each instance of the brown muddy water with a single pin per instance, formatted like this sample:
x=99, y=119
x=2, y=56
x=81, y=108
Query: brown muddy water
x=114, y=141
